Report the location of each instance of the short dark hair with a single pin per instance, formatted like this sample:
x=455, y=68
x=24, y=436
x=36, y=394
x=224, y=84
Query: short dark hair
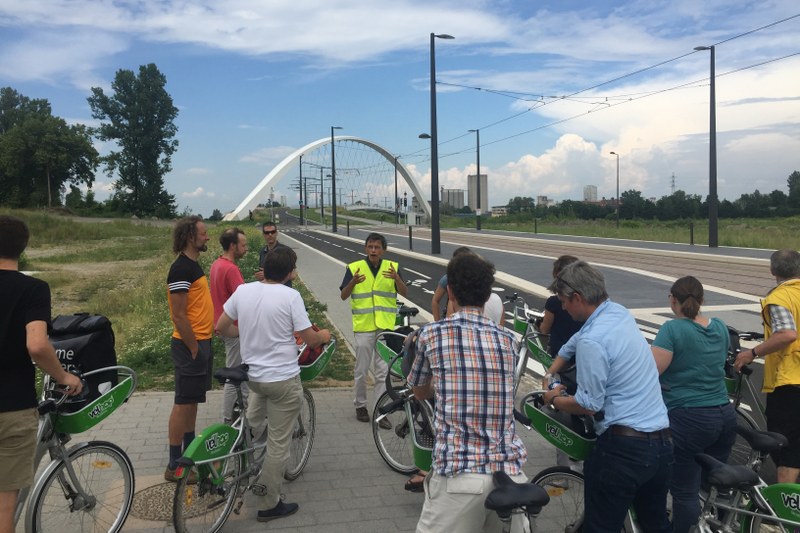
x=268, y=224
x=563, y=261
x=14, y=236
x=185, y=229
x=230, y=237
x=376, y=237
x=279, y=263
x=785, y=264
x=470, y=277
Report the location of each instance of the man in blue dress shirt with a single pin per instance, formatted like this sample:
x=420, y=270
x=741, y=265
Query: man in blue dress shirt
x=618, y=382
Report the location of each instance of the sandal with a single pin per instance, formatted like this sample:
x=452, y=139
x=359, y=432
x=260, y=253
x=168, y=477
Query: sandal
x=415, y=483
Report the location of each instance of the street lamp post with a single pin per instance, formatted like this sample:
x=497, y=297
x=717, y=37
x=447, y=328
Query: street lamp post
x=321, y=196
x=301, y=190
x=617, y=206
x=333, y=179
x=478, y=186
x=436, y=245
x=396, y=196
x=713, y=203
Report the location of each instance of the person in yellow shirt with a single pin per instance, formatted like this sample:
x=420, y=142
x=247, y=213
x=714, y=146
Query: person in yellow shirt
x=372, y=284
x=780, y=311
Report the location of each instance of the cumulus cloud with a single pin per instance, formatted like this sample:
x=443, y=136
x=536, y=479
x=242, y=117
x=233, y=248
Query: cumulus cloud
x=199, y=192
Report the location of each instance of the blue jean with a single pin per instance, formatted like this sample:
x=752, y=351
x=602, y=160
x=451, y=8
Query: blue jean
x=710, y=430
x=627, y=471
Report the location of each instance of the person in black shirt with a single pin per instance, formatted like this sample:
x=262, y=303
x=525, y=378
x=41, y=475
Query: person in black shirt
x=270, y=231
x=24, y=319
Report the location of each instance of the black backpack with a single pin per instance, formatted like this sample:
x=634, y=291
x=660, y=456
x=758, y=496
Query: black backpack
x=85, y=342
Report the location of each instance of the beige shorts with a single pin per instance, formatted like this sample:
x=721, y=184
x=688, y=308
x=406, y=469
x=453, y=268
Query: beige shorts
x=17, y=446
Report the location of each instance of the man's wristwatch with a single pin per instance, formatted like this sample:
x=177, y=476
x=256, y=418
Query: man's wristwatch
x=562, y=394
x=753, y=350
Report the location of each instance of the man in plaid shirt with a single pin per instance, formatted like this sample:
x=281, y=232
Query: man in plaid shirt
x=467, y=362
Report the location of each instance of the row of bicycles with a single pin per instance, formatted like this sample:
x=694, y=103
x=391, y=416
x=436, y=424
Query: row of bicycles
x=89, y=486
x=741, y=495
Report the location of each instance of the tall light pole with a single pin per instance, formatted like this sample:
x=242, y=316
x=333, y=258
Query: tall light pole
x=301, y=189
x=436, y=245
x=333, y=179
x=713, y=203
x=396, y=197
x=616, y=154
x=322, y=195
x=478, y=186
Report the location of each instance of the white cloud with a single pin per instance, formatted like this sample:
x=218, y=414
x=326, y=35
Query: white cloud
x=198, y=171
x=199, y=193
x=272, y=154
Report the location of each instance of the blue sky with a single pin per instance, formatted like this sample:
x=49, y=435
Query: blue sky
x=256, y=80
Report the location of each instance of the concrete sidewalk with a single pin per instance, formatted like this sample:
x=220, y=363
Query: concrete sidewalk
x=345, y=487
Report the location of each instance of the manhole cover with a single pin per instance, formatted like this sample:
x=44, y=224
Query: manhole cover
x=154, y=503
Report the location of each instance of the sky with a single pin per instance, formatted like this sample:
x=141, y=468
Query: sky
x=553, y=85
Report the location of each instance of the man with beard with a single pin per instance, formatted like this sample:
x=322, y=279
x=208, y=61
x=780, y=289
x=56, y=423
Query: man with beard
x=192, y=313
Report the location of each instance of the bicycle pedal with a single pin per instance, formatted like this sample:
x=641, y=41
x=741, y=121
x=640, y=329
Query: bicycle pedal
x=259, y=489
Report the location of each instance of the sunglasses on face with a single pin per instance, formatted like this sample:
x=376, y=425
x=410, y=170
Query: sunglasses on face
x=273, y=232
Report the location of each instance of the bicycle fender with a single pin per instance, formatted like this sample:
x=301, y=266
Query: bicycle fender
x=215, y=441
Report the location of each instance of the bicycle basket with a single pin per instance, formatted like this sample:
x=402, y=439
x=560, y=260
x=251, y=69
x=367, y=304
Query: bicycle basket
x=100, y=408
x=520, y=320
x=562, y=430
x=383, y=346
x=422, y=434
x=311, y=371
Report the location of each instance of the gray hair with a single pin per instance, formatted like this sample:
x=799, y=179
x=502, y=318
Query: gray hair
x=582, y=278
x=785, y=264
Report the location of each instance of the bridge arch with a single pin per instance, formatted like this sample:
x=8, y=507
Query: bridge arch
x=251, y=201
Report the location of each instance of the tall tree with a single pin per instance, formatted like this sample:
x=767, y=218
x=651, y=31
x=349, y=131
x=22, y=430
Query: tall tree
x=139, y=117
x=793, y=182
x=39, y=153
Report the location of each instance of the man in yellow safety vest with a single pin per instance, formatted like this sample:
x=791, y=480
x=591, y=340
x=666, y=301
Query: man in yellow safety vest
x=372, y=285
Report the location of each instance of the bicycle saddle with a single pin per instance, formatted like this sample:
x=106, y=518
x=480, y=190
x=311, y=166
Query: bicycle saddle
x=762, y=441
x=725, y=476
x=407, y=311
x=508, y=495
x=235, y=375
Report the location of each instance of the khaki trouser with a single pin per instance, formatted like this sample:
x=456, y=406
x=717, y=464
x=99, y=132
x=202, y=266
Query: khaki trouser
x=456, y=504
x=280, y=403
x=367, y=359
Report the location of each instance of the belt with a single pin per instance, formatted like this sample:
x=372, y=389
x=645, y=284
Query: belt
x=625, y=431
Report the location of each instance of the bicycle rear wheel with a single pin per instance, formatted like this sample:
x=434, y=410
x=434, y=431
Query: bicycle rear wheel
x=205, y=506
x=104, y=473
x=394, y=445
x=302, y=437
x=565, y=510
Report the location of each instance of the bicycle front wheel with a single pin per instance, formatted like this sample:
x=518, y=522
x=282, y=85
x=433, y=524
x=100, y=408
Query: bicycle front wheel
x=565, y=510
x=98, y=499
x=302, y=437
x=394, y=445
x=204, y=506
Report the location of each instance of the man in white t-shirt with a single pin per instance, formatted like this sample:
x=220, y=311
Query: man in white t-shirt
x=269, y=313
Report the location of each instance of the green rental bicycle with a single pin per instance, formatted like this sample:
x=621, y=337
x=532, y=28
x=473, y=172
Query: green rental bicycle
x=88, y=487
x=224, y=461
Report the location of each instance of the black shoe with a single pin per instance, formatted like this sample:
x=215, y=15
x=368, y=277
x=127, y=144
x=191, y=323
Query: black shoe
x=361, y=414
x=279, y=511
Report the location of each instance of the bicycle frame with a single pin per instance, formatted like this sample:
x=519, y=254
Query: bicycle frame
x=55, y=429
x=778, y=503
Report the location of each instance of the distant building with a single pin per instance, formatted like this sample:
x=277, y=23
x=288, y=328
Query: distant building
x=453, y=197
x=543, y=201
x=590, y=193
x=499, y=211
x=283, y=200
x=472, y=184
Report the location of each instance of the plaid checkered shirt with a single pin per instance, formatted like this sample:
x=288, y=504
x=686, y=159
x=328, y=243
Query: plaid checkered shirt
x=471, y=363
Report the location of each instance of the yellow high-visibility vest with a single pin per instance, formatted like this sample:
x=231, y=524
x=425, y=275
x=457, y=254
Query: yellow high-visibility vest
x=374, y=300
x=782, y=368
